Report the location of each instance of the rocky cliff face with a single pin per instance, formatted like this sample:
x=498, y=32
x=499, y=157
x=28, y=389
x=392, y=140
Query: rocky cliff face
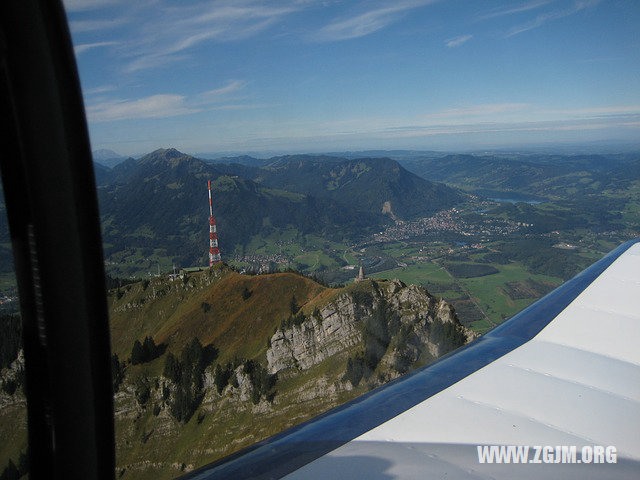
x=340, y=325
x=331, y=330
x=12, y=381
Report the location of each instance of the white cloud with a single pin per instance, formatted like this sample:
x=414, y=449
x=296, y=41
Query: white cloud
x=191, y=40
x=151, y=61
x=154, y=106
x=524, y=117
x=478, y=110
x=402, y=136
x=165, y=31
x=368, y=22
x=172, y=30
x=242, y=106
x=78, y=49
x=543, y=18
x=167, y=105
x=457, y=41
x=484, y=118
x=525, y=7
x=98, y=90
x=235, y=11
x=501, y=128
x=600, y=111
x=232, y=87
x=79, y=5
x=79, y=26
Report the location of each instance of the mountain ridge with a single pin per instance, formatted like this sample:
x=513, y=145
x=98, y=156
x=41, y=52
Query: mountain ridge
x=159, y=201
x=107, y=158
x=367, y=183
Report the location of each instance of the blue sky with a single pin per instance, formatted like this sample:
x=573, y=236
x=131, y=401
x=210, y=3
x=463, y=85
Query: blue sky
x=308, y=76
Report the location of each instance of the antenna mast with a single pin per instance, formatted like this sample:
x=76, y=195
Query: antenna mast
x=214, y=251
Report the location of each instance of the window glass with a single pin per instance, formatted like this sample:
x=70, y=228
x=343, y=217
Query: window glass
x=301, y=201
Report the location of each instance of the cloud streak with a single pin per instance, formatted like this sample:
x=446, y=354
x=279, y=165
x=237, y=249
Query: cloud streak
x=457, y=41
x=525, y=7
x=232, y=87
x=154, y=106
x=543, y=18
x=169, y=34
x=167, y=105
x=147, y=62
x=368, y=22
x=82, y=5
x=481, y=109
x=401, y=136
x=80, y=26
x=498, y=117
x=166, y=32
x=98, y=90
x=78, y=49
x=502, y=128
x=600, y=111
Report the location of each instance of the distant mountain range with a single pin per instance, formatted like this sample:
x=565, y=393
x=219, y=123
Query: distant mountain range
x=157, y=203
x=534, y=174
x=107, y=158
x=160, y=200
x=368, y=184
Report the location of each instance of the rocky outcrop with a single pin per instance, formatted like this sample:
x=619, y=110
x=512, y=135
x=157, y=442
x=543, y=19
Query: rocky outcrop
x=11, y=382
x=328, y=331
x=339, y=325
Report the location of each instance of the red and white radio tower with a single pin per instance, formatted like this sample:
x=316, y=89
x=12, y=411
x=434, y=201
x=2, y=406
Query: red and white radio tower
x=214, y=251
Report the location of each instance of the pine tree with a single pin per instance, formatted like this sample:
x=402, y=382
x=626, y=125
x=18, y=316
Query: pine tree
x=137, y=353
x=172, y=368
x=117, y=372
x=150, y=349
x=143, y=391
x=23, y=462
x=246, y=293
x=10, y=339
x=293, y=305
x=186, y=374
x=10, y=472
x=221, y=377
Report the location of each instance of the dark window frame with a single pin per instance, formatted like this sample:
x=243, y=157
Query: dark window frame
x=52, y=208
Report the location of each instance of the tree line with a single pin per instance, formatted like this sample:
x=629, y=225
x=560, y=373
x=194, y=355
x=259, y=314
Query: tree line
x=186, y=374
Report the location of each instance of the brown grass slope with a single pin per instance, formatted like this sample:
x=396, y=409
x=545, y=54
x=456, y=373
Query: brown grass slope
x=210, y=306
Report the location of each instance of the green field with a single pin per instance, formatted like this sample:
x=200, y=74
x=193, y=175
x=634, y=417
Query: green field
x=490, y=294
x=487, y=294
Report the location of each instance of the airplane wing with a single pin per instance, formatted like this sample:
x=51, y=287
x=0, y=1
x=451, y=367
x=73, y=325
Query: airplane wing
x=564, y=372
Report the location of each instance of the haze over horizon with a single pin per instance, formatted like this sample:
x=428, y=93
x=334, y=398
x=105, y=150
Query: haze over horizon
x=312, y=76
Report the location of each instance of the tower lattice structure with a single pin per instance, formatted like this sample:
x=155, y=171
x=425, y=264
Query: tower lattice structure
x=214, y=251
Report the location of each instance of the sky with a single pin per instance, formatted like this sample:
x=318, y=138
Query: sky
x=321, y=75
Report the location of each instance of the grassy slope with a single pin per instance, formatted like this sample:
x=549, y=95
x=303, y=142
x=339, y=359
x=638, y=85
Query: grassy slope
x=178, y=316
x=13, y=434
